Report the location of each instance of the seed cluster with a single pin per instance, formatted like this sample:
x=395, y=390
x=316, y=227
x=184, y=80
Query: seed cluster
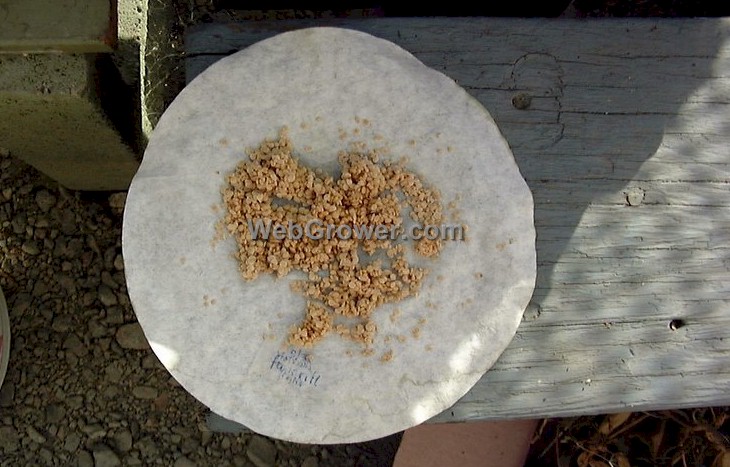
x=345, y=281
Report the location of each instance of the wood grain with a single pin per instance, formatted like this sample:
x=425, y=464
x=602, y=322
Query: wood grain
x=626, y=148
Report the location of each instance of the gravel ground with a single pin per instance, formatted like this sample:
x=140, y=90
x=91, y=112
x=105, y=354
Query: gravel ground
x=83, y=388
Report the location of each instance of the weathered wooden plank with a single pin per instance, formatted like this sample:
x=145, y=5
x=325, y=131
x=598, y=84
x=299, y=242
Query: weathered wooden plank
x=682, y=193
x=604, y=364
x=625, y=144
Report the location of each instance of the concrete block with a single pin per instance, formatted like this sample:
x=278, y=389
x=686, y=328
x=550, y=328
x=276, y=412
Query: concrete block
x=52, y=116
x=78, y=26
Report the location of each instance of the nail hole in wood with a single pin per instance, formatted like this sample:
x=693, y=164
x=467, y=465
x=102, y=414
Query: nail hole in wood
x=522, y=101
x=676, y=324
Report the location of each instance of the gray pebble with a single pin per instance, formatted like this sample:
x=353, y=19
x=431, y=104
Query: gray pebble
x=147, y=448
x=131, y=336
x=132, y=459
x=117, y=200
x=30, y=247
x=74, y=248
x=119, y=263
x=45, y=200
x=183, y=461
x=108, y=280
x=107, y=296
x=150, y=361
x=7, y=394
x=19, y=223
x=188, y=445
x=123, y=440
x=96, y=329
x=46, y=455
x=113, y=373
x=21, y=304
x=226, y=444
x=84, y=459
x=75, y=402
x=8, y=439
x=105, y=457
x=55, y=413
x=261, y=451
x=114, y=315
x=94, y=431
x=62, y=323
x=74, y=345
x=72, y=441
x=144, y=392
x=34, y=435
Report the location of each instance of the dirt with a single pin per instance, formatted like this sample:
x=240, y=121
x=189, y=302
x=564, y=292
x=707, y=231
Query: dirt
x=83, y=387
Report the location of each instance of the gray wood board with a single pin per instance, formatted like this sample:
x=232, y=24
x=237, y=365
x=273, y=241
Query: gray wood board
x=626, y=148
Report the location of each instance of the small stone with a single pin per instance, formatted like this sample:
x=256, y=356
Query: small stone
x=75, y=402
x=147, y=448
x=261, y=452
x=108, y=280
x=30, y=247
x=183, y=461
x=96, y=329
x=132, y=459
x=8, y=439
x=46, y=455
x=123, y=440
x=131, y=336
x=74, y=345
x=7, y=394
x=68, y=223
x=18, y=223
x=74, y=248
x=144, y=392
x=22, y=303
x=188, y=445
x=84, y=459
x=150, y=361
x=117, y=200
x=55, y=413
x=40, y=288
x=310, y=461
x=119, y=263
x=105, y=457
x=62, y=323
x=225, y=444
x=66, y=282
x=205, y=437
x=107, y=295
x=114, y=315
x=45, y=200
x=34, y=435
x=110, y=392
x=114, y=373
x=71, y=442
x=94, y=431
